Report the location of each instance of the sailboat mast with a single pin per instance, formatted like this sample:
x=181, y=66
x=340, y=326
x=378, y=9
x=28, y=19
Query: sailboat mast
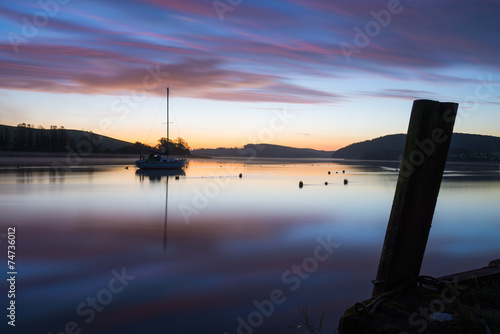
x=168, y=134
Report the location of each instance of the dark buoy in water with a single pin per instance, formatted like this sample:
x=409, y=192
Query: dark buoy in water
x=343, y=172
x=177, y=177
x=240, y=176
x=126, y=167
x=328, y=172
x=346, y=181
x=336, y=172
x=301, y=184
x=326, y=183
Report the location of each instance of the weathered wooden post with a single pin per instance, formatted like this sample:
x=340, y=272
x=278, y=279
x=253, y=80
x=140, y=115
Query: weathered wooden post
x=424, y=159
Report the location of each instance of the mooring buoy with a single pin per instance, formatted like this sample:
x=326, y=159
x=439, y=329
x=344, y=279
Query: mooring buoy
x=346, y=181
x=301, y=184
x=326, y=183
x=240, y=176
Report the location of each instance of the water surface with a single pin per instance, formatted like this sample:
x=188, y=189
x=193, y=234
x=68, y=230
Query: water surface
x=99, y=250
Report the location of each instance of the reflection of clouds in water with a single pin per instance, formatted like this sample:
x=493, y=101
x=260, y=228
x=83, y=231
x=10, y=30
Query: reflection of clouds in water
x=232, y=253
x=203, y=272
x=472, y=246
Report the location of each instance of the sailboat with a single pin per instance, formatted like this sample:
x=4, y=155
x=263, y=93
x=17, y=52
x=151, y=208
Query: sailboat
x=161, y=161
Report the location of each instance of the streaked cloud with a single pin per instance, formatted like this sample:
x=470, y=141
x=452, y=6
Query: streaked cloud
x=405, y=94
x=285, y=51
x=259, y=45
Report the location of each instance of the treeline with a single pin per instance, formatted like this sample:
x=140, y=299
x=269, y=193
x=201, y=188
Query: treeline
x=25, y=137
x=173, y=147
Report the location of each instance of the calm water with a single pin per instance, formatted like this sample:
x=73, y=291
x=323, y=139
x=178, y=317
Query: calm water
x=99, y=251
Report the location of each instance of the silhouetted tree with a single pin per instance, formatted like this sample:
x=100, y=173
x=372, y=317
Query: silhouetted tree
x=182, y=145
x=177, y=147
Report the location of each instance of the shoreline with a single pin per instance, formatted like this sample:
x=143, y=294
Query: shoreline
x=70, y=159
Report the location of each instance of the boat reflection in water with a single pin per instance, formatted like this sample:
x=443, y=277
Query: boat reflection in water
x=158, y=174
x=155, y=175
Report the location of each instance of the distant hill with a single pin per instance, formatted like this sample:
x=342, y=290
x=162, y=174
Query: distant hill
x=463, y=147
x=28, y=138
x=263, y=151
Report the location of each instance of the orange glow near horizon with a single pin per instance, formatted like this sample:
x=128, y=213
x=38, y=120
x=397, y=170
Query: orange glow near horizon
x=199, y=143
x=206, y=142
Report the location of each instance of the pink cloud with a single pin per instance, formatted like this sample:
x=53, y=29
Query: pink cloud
x=113, y=74
x=252, y=55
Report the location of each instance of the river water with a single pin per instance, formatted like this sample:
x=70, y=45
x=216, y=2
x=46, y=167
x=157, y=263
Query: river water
x=106, y=249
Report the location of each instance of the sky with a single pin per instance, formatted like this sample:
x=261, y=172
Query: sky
x=305, y=73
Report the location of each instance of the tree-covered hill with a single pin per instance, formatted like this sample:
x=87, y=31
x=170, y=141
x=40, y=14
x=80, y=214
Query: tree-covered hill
x=463, y=147
x=264, y=151
x=27, y=137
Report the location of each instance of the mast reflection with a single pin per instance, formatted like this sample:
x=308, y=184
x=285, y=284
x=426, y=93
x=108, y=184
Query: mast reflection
x=156, y=176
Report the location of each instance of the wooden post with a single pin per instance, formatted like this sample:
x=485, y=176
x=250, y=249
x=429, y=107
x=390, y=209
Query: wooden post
x=420, y=174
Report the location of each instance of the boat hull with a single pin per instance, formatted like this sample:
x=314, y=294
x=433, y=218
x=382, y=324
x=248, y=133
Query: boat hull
x=177, y=164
